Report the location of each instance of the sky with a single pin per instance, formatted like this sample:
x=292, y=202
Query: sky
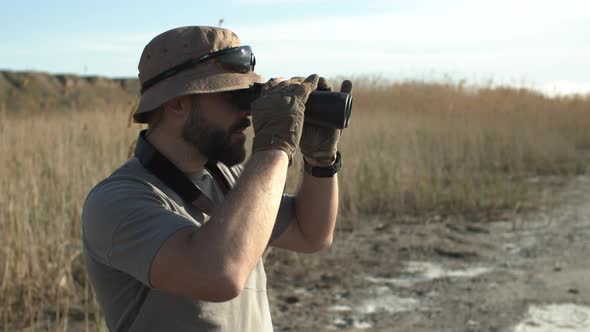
x=537, y=44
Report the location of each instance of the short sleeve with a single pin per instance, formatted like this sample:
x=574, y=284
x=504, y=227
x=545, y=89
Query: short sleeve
x=285, y=216
x=125, y=222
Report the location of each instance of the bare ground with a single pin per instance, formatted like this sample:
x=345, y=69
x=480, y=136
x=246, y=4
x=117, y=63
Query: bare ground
x=527, y=272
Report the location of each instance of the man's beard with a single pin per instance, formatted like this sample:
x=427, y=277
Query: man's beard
x=215, y=143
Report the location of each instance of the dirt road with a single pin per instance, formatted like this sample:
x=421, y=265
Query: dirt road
x=529, y=273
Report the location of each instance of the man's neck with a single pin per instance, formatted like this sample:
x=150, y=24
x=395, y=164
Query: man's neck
x=182, y=154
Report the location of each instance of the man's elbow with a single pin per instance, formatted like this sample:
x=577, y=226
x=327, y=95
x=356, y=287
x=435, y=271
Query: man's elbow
x=319, y=244
x=226, y=287
x=226, y=290
x=326, y=243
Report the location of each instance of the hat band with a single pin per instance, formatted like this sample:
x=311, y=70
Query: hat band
x=237, y=59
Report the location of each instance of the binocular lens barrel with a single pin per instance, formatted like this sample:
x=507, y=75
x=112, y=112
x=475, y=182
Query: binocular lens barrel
x=323, y=108
x=328, y=109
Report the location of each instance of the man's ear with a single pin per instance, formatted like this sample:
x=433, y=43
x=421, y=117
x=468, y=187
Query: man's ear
x=176, y=107
x=186, y=102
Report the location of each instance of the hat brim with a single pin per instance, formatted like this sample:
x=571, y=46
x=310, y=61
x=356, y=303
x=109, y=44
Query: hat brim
x=205, y=78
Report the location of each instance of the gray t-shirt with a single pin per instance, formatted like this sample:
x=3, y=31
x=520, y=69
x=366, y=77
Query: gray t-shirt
x=126, y=219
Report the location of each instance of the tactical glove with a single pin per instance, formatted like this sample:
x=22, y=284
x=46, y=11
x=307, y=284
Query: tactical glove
x=318, y=144
x=277, y=114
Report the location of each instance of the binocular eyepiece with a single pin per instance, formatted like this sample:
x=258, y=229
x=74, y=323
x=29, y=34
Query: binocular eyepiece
x=323, y=108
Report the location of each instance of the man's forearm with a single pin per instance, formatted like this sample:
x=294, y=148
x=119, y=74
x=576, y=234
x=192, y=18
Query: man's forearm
x=316, y=208
x=241, y=226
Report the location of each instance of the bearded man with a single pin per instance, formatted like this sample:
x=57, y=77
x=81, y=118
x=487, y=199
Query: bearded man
x=173, y=239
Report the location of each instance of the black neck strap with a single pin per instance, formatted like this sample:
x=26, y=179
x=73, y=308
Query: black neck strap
x=168, y=173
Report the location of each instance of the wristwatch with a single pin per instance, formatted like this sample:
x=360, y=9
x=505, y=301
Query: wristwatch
x=323, y=172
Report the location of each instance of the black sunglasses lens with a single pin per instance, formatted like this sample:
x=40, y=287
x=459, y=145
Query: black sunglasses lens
x=241, y=60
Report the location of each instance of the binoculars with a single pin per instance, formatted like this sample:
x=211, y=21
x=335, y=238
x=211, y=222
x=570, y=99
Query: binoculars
x=323, y=108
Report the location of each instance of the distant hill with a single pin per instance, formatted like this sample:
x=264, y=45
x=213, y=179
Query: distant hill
x=38, y=91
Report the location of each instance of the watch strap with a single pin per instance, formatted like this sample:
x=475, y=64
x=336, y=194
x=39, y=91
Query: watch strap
x=323, y=171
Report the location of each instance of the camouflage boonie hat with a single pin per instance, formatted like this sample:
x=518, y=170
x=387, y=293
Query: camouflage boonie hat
x=177, y=46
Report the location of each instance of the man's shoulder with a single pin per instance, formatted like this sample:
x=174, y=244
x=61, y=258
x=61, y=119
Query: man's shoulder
x=133, y=180
x=130, y=180
x=131, y=173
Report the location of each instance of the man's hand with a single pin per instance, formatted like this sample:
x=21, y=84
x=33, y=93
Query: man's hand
x=319, y=144
x=277, y=115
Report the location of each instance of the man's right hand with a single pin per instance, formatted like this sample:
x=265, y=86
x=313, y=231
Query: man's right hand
x=277, y=115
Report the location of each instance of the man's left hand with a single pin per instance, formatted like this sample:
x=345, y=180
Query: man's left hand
x=319, y=144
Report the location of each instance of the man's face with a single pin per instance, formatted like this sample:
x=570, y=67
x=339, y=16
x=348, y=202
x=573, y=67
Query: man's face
x=215, y=127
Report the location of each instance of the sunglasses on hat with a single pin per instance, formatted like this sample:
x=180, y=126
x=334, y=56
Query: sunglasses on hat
x=237, y=59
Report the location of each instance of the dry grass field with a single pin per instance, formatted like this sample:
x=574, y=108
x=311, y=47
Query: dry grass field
x=413, y=148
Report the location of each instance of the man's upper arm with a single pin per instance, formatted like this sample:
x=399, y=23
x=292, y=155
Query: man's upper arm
x=286, y=233
x=125, y=223
x=285, y=217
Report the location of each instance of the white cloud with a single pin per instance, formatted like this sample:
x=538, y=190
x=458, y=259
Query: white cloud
x=565, y=87
x=540, y=41
x=543, y=41
x=460, y=26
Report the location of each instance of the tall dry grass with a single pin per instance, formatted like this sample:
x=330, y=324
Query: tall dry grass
x=49, y=162
x=412, y=148
x=416, y=147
